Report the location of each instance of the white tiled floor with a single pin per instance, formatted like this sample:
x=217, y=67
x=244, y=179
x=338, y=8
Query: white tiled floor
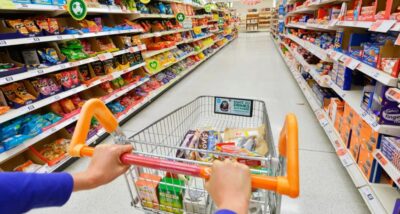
x=249, y=67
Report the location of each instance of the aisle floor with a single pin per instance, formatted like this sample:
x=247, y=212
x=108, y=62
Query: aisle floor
x=249, y=67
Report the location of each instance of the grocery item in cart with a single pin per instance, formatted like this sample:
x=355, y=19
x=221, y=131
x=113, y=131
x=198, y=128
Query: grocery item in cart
x=204, y=140
x=251, y=139
x=147, y=186
x=171, y=193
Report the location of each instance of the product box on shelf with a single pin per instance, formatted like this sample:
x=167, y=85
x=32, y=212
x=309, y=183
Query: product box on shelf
x=51, y=150
x=14, y=66
x=20, y=163
x=7, y=32
x=365, y=161
x=383, y=108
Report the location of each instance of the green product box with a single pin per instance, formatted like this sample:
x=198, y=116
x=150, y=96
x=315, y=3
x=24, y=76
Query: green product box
x=171, y=196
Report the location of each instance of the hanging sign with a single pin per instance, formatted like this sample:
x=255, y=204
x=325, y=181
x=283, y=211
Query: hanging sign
x=180, y=17
x=77, y=9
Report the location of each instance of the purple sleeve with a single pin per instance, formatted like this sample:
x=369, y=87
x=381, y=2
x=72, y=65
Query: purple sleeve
x=224, y=212
x=20, y=192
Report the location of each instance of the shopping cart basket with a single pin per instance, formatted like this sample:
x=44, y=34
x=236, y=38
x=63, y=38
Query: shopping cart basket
x=163, y=178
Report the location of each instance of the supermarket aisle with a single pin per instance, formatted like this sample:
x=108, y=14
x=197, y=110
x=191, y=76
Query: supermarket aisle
x=249, y=67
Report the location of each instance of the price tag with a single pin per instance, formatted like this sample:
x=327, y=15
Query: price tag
x=62, y=66
x=350, y=62
x=3, y=42
x=53, y=129
x=133, y=49
x=105, y=56
x=36, y=39
x=381, y=159
x=396, y=27
x=30, y=107
x=57, y=97
x=376, y=74
x=74, y=64
x=24, y=6
x=40, y=71
x=59, y=37
x=157, y=34
x=9, y=79
x=382, y=26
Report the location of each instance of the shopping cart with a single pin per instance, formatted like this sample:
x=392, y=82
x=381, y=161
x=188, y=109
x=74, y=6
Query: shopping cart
x=160, y=152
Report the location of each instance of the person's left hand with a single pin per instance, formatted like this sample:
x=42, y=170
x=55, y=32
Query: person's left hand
x=104, y=167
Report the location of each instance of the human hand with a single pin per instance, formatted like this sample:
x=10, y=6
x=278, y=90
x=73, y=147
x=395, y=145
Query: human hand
x=230, y=185
x=104, y=167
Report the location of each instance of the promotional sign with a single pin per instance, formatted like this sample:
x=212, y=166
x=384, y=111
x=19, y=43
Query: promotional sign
x=77, y=9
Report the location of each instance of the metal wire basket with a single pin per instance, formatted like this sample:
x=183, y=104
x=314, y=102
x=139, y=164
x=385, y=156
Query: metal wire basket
x=165, y=178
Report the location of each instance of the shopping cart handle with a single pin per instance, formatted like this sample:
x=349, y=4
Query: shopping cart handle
x=96, y=108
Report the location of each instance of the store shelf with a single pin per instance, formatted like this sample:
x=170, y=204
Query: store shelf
x=202, y=37
x=301, y=10
x=353, y=63
x=40, y=39
x=170, y=64
x=322, y=81
x=152, y=16
x=148, y=54
x=317, y=51
x=376, y=199
x=59, y=67
x=319, y=3
x=389, y=168
x=184, y=2
x=382, y=25
x=162, y=33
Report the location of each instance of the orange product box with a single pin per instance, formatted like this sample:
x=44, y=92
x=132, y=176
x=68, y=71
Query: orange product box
x=355, y=150
x=336, y=106
x=372, y=141
x=365, y=161
x=338, y=121
x=147, y=186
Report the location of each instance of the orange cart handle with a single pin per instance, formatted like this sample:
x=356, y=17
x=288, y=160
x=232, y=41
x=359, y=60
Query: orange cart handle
x=288, y=147
x=96, y=108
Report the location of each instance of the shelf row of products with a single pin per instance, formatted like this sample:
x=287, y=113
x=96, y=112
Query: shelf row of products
x=344, y=55
x=121, y=95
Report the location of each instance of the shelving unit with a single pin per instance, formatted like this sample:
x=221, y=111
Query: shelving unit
x=378, y=197
x=264, y=19
x=252, y=21
x=42, y=104
x=378, y=194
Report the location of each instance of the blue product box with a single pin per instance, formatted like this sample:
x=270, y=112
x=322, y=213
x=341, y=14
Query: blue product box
x=22, y=1
x=339, y=39
x=59, y=2
x=370, y=54
x=46, y=2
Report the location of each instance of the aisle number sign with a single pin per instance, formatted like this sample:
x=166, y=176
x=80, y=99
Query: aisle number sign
x=180, y=17
x=77, y=9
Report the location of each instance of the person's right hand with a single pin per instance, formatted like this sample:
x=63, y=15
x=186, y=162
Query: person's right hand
x=230, y=186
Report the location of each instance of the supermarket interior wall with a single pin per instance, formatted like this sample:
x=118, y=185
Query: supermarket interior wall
x=242, y=8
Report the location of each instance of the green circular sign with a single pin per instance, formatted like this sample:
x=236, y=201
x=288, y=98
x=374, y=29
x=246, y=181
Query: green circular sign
x=220, y=21
x=208, y=7
x=153, y=65
x=77, y=9
x=180, y=17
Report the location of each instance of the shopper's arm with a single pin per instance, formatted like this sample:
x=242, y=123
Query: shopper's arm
x=20, y=192
x=230, y=187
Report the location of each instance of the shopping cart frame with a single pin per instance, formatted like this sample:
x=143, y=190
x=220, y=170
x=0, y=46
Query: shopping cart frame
x=288, y=148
